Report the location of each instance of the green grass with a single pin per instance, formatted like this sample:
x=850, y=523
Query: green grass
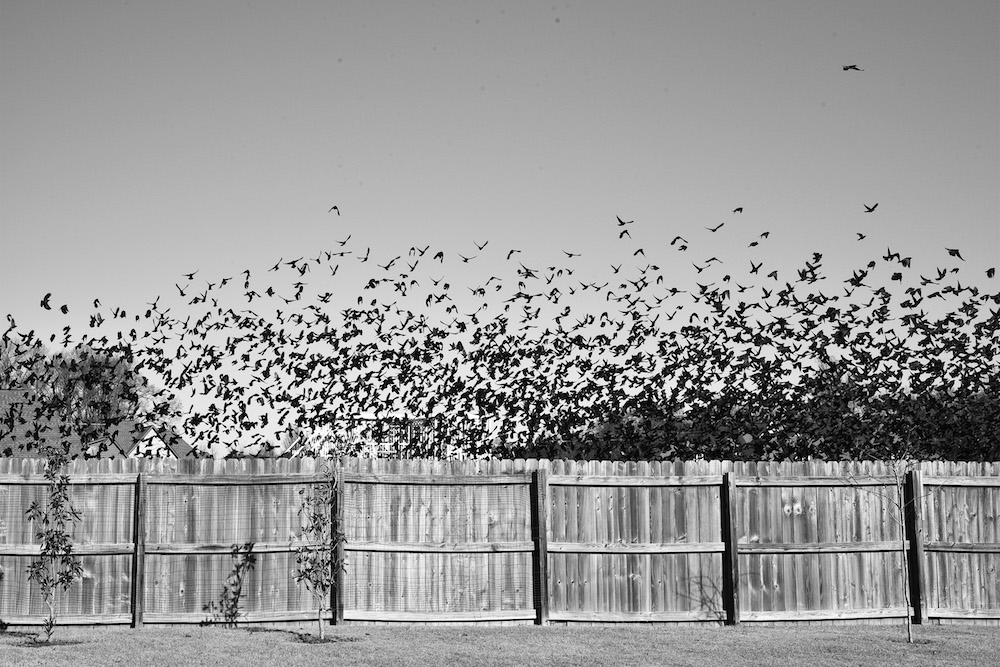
x=528, y=645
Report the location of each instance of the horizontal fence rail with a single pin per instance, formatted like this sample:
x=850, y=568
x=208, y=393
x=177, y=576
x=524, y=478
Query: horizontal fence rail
x=526, y=541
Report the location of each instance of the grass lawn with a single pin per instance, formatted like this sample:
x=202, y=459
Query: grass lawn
x=526, y=645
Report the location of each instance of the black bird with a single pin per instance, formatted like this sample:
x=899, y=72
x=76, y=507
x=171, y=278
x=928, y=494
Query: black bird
x=738, y=209
x=344, y=242
x=190, y=276
x=480, y=246
x=465, y=260
x=854, y=67
x=715, y=229
x=512, y=252
x=860, y=236
x=954, y=252
x=678, y=238
x=334, y=208
x=871, y=209
x=45, y=301
x=571, y=255
x=622, y=223
x=624, y=233
x=64, y=309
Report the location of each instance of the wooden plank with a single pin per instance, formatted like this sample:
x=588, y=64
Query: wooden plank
x=441, y=547
x=115, y=549
x=963, y=547
x=437, y=617
x=74, y=619
x=233, y=479
x=825, y=614
x=428, y=480
x=938, y=612
x=245, y=617
x=915, y=533
x=730, y=553
x=138, y=595
x=637, y=548
x=940, y=480
x=633, y=480
x=540, y=530
x=639, y=616
x=209, y=548
x=790, y=480
x=74, y=479
x=827, y=547
x=338, y=509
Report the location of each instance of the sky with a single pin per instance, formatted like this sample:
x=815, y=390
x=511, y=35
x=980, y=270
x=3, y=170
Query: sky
x=140, y=141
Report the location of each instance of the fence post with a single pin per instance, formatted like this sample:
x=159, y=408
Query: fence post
x=731, y=551
x=914, y=522
x=337, y=533
x=139, y=554
x=540, y=534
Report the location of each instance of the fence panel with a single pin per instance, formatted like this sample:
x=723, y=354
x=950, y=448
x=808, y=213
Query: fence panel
x=193, y=521
x=425, y=543
x=103, y=539
x=961, y=519
x=819, y=541
x=635, y=542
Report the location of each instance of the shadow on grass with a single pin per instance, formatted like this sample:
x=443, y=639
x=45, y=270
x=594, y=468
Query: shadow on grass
x=33, y=639
x=306, y=637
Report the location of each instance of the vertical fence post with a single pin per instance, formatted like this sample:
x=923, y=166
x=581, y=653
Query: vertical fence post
x=540, y=532
x=139, y=553
x=337, y=534
x=914, y=522
x=731, y=551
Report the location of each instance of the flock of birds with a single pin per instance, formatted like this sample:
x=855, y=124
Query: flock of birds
x=536, y=361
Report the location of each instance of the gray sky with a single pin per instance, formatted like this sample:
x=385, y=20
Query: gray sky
x=143, y=140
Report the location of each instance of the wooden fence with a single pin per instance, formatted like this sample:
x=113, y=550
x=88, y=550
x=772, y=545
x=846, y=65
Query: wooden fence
x=524, y=541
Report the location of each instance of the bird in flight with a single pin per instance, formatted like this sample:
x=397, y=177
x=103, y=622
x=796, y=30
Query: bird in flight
x=64, y=309
x=715, y=229
x=624, y=233
x=738, y=209
x=334, y=208
x=513, y=250
x=622, y=223
x=570, y=255
x=45, y=302
x=190, y=276
x=871, y=209
x=861, y=236
x=954, y=252
x=481, y=246
x=465, y=260
x=853, y=67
